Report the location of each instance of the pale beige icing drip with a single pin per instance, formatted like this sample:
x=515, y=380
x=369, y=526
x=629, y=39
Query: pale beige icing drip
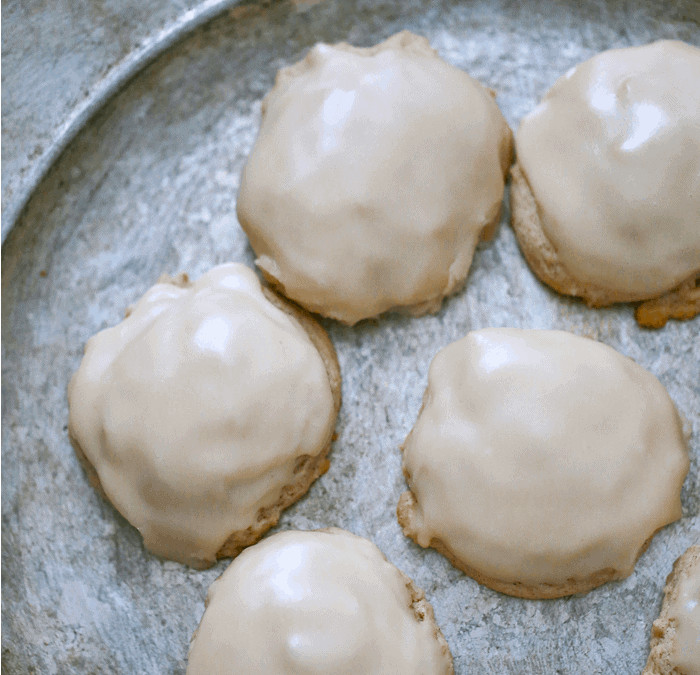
x=195, y=408
x=540, y=456
x=313, y=603
x=612, y=155
x=374, y=172
x=685, y=610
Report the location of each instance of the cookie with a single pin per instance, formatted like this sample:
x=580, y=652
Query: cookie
x=605, y=194
x=675, y=635
x=206, y=412
x=326, y=601
x=541, y=463
x=374, y=174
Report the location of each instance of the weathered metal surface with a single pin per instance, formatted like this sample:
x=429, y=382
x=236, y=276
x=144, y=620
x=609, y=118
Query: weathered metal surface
x=62, y=60
x=149, y=187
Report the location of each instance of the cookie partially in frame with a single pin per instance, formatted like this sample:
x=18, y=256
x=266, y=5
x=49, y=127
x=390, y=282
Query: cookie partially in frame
x=323, y=601
x=675, y=635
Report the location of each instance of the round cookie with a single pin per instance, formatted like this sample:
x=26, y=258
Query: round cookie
x=206, y=412
x=605, y=192
x=541, y=463
x=374, y=174
x=324, y=602
x=675, y=635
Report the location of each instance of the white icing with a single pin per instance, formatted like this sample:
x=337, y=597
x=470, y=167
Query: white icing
x=195, y=409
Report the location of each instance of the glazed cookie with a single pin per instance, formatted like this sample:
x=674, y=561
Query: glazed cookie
x=324, y=602
x=541, y=463
x=374, y=174
x=675, y=636
x=207, y=411
x=606, y=189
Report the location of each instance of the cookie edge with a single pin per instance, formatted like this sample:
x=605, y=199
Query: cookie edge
x=430, y=305
x=423, y=611
x=681, y=302
x=404, y=513
x=663, y=629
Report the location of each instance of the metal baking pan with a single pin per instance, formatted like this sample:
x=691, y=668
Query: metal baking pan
x=147, y=186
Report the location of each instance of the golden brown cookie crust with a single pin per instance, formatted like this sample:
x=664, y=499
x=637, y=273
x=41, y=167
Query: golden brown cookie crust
x=680, y=303
x=429, y=306
x=308, y=468
x=423, y=611
x=683, y=304
x=663, y=629
x=405, y=512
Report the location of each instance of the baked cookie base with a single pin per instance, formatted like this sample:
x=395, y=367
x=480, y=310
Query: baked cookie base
x=423, y=611
x=405, y=512
x=308, y=467
x=682, y=302
x=663, y=630
x=421, y=308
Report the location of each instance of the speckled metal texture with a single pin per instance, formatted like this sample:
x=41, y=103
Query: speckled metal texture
x=61, y=61
x=149, y=186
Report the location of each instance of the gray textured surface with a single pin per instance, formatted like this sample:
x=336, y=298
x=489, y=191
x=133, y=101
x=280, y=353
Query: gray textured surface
x=61, y=59
x=149, y=186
